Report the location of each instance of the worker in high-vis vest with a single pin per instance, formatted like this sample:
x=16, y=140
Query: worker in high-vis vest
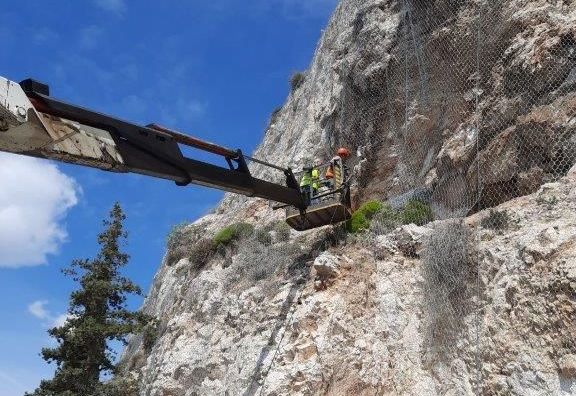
x=306, y=184
x=315, y=178
x=310, y=182
x=337, y=170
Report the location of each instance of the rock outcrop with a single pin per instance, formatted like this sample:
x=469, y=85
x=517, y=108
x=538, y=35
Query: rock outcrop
x=469, y=105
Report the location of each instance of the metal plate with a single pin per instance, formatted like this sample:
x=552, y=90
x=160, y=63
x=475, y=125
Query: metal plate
x=324, y=213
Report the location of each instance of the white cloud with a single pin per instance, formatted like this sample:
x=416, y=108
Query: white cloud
x=114, y=6
x=60, y=320
x=38, y=309
x=34, y=199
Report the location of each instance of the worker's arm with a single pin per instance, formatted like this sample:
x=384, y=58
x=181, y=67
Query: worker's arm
x=33, y=123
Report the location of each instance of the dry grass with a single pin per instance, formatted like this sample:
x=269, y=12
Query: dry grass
x=448, y=273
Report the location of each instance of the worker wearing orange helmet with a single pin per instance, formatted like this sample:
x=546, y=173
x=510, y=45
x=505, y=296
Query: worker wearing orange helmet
x=337, y=171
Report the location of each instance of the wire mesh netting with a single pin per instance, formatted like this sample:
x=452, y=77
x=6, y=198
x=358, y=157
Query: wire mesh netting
x=461, y=105
x=456, y=106
x=465, y=87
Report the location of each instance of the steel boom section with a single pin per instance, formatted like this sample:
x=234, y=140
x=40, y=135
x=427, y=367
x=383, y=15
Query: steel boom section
x=152, y=151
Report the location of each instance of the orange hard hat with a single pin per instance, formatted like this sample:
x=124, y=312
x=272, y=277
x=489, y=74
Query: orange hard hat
x=343, y=152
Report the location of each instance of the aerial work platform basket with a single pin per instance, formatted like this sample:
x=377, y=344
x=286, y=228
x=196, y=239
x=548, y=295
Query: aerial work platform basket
x=332, y=209
x=327, y=195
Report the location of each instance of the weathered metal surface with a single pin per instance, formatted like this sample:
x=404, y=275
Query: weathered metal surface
x=81, y=144
x=329, y=211
x=26, y=131
x=14, y=104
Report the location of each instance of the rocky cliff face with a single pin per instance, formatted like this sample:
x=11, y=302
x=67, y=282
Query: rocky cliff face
x=468, y=105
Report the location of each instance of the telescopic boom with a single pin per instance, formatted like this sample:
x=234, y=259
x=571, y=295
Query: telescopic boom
x=33, y=123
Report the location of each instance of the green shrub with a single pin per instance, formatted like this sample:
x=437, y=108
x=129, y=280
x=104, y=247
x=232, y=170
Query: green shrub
x=296, y=80
x=233, y=233
x=362, y=217
x=150, y=335
x=386, y=220
x=417, y=212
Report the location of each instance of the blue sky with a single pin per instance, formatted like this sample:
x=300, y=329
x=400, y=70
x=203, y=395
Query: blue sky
x=214, y=69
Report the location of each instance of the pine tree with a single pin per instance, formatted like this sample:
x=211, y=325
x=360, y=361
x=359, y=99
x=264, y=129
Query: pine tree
x=97, y=315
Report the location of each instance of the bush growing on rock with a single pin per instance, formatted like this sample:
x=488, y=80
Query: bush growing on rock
x=150, y=335
x=386, y=220
x=362, y=217
x=296, y=80
x=201, y=252
x=233, y=233
x=282, y=230
x=448, y=273
x=278, y=231
x=417, y=212
x=255, y=262
x=181, y=242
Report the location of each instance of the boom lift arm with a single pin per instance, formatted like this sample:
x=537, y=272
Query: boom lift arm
x=33, y=123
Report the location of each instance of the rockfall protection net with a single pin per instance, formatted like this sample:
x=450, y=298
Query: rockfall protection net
x=471, y=102
x=462, y=105
x=459, y=106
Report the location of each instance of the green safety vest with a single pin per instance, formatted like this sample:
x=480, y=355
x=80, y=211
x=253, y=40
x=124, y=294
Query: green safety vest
x=315, y=178
x=311, y=178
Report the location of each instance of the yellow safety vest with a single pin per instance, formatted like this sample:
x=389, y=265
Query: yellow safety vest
x=311, y=178
x=337, y=169
x=315, y=178
x=306, y=179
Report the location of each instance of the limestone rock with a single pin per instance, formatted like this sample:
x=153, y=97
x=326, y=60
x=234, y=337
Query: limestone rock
x=409, y=238
x=327, y=266
x=567, y=365
x=431, y=126
x=370, y=329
